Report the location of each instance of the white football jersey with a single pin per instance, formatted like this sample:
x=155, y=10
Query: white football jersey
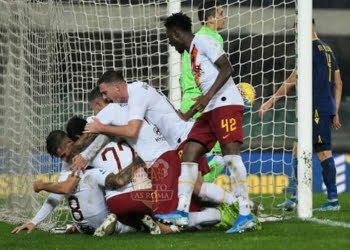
x=149, y=144
x=145, y=102
x=204, y=52
x=114, y=157
x=87, y=203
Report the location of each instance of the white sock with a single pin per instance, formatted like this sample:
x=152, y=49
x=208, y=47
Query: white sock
x=208, y=216
x=213, y=193
x=121, y=228
x=189, y=173
x=239, y=181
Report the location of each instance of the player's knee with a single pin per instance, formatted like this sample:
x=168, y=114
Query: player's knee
x=323, y=155
x=193, y=151
x=233, y=148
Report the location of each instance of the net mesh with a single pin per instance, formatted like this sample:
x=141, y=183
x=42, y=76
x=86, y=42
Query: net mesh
x=52, y=53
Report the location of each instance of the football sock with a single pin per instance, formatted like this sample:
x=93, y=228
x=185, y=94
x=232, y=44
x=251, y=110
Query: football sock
x=208, y=216
x=189, y=173
x=295, y=184
x=329, y=177
x=239, y=185
x=213, y=193
x=121, y=228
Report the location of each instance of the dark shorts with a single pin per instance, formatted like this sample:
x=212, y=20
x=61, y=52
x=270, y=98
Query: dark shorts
x=322, y=131
x=223, y=124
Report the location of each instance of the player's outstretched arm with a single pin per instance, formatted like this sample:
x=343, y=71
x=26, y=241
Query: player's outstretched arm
x=338, y=87
x=130, y=131
x=27, y=226
x=49, y=205
x=65, y=187
x=282, y=91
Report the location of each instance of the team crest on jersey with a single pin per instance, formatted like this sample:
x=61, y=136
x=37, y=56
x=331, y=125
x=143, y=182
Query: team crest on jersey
x=145, y=86
x=159, y=192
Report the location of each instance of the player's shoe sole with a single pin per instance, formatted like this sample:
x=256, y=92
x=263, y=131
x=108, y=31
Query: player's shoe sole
x=107, y=227
x=178, y=218
x=153, y=227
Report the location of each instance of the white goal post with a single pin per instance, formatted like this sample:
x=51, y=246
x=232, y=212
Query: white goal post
x=304, y=69
x=52, y=53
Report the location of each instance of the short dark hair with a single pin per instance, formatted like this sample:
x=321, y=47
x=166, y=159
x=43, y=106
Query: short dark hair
x=110, y=77
x=75, y=126
x=179, y=20
x=207, y=9
x=54, y=140
x=94, y=94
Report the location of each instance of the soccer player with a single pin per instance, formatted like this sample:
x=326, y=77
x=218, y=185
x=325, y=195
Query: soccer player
x=149, y=149
x=222, y=107
x=144, y=103
x=85, y=197
x=326, y=96
x=165, y=172
x=211, y=15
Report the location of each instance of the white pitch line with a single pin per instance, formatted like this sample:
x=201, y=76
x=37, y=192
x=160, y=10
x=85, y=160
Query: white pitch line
x=329, y=222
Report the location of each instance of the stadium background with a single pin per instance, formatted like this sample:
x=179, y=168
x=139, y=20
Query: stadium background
x=332, y=21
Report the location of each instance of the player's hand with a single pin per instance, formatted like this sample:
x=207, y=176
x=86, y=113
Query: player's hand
x=264, y=108
x=186, y=116
x=201, y=102
x=37, y=185
x=79, y=162
x=76, y=172
x=28, y=226
x=94, y=127
x=336, y=122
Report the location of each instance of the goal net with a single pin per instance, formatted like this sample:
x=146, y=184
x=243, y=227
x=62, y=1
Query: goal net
x=52, y=53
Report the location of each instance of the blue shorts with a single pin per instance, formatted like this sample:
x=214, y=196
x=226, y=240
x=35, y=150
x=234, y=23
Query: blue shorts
x=322, y=129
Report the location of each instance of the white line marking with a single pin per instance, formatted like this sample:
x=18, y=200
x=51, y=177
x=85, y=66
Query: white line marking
x=329, y=222
x=267, y=218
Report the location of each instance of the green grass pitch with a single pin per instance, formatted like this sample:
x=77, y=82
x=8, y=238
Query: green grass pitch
x=288, y=234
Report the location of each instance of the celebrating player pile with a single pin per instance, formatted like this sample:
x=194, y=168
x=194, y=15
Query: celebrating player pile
x=165, y=180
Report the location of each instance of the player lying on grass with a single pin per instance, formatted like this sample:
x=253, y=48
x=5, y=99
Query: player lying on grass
x=133, y=204
x=164, y=172
x=86, y=215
